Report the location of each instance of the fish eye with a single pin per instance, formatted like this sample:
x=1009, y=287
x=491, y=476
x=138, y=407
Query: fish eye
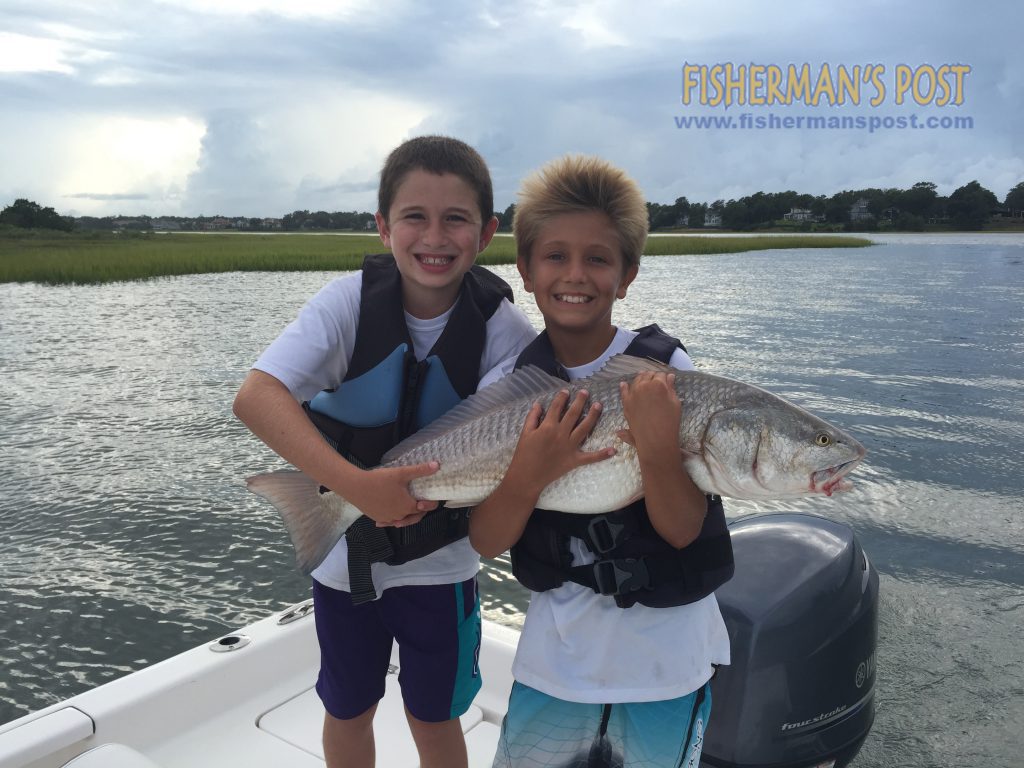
x=823, y=439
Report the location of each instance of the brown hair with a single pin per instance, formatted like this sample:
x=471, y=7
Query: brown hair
x=436, y=154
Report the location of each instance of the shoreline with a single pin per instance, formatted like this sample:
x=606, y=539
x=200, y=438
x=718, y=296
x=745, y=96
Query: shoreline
x=58, y=259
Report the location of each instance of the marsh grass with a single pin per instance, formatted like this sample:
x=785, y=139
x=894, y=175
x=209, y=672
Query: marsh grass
x=55, y=258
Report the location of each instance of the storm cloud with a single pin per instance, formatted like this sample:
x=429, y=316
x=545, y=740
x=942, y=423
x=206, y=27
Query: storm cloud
x=179, y=108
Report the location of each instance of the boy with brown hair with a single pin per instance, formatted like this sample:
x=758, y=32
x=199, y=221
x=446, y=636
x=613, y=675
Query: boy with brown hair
x=608, y=671
x=378, y=354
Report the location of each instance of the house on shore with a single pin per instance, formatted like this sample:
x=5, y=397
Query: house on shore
x=859, y=211
x=801, y=214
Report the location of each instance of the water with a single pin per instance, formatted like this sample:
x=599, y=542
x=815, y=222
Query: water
x=126, y=534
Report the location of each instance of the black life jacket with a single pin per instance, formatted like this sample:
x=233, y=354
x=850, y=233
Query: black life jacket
x=634, y=564
x=388, y=394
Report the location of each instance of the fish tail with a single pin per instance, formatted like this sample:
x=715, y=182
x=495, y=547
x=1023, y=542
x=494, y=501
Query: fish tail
x=314, y=525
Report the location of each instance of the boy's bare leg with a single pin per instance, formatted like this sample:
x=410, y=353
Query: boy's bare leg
x=349, y=743
x=441, y=745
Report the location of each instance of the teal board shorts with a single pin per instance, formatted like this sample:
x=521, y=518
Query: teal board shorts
x=541, y=731
x=437, y=628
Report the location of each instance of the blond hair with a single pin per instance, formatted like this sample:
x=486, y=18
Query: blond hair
x=576, y=184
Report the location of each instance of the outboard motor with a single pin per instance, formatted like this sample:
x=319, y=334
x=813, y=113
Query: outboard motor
x=802, y=615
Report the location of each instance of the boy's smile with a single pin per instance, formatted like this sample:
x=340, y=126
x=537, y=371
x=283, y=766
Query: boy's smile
x=576, y=273
x=435, y=232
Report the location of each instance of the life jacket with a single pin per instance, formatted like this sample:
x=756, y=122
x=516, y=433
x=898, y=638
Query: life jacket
x=387, y=394
x=634, y=564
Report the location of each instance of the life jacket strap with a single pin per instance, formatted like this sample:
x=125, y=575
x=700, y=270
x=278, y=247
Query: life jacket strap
x=605, y=532
x=706, y=563
x=442, y=525
x=368, y=544
x=620, y=576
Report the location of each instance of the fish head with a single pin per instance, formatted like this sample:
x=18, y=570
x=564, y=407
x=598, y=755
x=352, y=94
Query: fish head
x=774, y=449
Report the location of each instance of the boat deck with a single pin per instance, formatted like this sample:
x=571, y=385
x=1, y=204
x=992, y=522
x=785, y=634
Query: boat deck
x=252, y=705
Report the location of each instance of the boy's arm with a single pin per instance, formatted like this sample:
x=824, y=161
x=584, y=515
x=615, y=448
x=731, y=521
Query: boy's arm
x=548, y=447
x=675, y=505
x=267, y=408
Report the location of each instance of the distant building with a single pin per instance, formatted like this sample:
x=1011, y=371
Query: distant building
x=130, y=222
x=683, y=221
x=712, y=219
x=217, y=223
x=165, y=225
x=859, y=211
x=799, y=214
x=272, y=223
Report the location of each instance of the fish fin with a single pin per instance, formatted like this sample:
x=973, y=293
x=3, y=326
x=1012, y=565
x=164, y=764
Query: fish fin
x=624, y=366
x=529, y=383
x=313, y=524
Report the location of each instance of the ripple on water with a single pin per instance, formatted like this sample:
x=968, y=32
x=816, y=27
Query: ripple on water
x=126, y=534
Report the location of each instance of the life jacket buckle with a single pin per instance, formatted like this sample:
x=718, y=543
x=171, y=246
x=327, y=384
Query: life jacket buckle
x=603, y=535
x=617, y=577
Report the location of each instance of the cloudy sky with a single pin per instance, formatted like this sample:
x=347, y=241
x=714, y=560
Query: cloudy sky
x=260, y=107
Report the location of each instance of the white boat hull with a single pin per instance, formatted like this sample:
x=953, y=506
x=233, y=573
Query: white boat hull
x=251, y=706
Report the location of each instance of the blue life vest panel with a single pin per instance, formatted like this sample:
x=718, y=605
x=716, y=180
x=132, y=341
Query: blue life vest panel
x=437, y=395
x=371, y=400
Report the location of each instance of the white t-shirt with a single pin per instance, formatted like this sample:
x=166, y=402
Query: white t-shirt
x=313, y=354
x=580, y=646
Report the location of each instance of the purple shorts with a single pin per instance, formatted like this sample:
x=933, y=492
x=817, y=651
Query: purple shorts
x=437, y=628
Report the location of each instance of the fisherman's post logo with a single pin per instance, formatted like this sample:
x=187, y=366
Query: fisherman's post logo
x=726, y=86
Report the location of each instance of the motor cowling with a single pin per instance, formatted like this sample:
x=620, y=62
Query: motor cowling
x=802, y=616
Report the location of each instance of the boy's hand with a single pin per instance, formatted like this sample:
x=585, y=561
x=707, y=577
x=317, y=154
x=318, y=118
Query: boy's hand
x=384, y=495
x=675, y=506
x=653, y=412
x=549, y=444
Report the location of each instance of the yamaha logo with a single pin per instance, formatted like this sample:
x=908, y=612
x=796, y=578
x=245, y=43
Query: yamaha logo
x=865, y=670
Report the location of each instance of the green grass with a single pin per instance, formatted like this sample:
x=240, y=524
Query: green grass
x=54, y=258
x=689, y=244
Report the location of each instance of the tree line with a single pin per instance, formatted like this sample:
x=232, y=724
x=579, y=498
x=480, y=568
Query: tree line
x=968, y=207
x=355, y=220
x=29, y=215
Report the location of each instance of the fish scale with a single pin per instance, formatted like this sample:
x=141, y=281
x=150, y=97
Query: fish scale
x=736, y=440
x=477, y=454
